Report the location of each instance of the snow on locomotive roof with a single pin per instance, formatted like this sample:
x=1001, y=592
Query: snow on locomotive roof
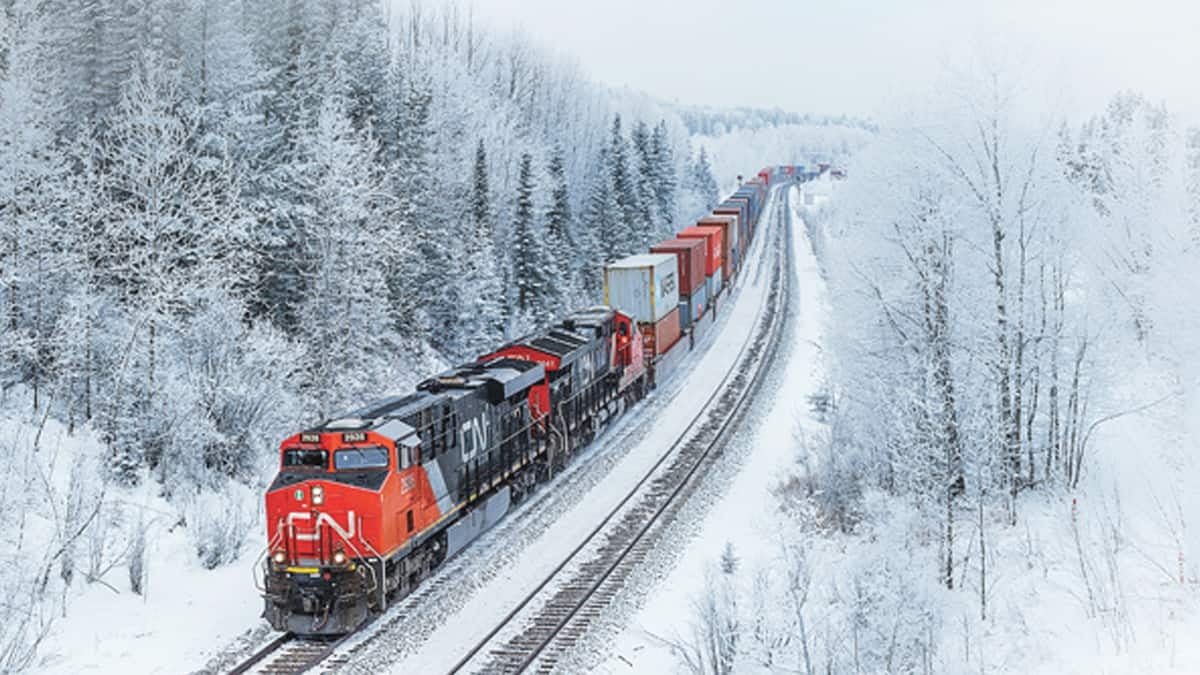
x=393, y=406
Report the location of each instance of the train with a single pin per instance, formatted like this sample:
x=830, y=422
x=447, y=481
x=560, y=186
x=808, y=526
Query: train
x=369, y=502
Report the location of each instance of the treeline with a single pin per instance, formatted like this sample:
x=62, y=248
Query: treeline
x=708, y=121
x=222, y=218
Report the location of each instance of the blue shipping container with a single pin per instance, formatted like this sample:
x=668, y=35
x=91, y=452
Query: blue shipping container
x=698, y=303
x=685, y=314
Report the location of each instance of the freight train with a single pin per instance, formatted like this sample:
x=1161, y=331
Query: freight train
x=367, y=503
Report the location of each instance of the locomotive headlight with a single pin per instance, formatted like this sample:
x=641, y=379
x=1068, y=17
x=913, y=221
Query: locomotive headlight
x=339, y=557
x=318, y=495
x=280, y=557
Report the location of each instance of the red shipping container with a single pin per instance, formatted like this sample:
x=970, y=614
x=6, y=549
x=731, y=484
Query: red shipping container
x=658, y=338
x=690, y=254
x=714, y=238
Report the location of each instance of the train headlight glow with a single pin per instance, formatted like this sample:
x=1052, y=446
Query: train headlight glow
x=280, y=557
x=339, y=557
x=318, y=495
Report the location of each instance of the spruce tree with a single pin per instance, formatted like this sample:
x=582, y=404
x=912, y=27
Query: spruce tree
x=630, y=236
x=559, y=242
x=481, y=311
x=645, y=182
x=600, y=230
x=703, y=182
x=529, y=268
x=665, y=180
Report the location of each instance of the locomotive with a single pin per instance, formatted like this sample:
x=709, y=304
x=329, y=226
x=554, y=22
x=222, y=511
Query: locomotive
x=369, y=502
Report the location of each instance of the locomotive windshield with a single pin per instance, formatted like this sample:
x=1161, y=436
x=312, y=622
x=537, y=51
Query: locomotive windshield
x=358, y=459
x=301, y=458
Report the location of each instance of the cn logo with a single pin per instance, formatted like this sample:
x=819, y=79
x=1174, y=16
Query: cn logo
x=474, y=436
x=323, y=519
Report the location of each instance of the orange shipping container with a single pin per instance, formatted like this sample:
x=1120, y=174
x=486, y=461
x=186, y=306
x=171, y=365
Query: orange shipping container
x=658, y=338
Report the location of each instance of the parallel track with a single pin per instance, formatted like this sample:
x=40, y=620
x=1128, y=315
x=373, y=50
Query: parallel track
x=622, y=540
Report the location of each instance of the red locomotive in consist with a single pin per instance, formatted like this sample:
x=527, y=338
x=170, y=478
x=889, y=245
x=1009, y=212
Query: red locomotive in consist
x=366, y=504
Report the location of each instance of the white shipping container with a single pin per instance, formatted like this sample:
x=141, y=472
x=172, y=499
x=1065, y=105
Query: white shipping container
x=646, y=286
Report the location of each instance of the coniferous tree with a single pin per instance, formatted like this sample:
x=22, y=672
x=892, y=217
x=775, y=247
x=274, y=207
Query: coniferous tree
x=644, y=182
x=420, y=285
x=481, y=317
x=630, y=236
x=529, y=268
x=703, y=182
x=559, y=243
x=38, y=252
x=664, y=178
x=598, y=236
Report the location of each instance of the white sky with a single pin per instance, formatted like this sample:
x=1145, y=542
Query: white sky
x=857, y=56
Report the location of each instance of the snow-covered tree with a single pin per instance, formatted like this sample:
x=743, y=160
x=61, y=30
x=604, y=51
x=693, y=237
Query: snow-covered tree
x=481, y=318
x=631, y=235
x=664, y=178
x=531, y=276
x=349, y=329
x=702, y=181
x=560, y=246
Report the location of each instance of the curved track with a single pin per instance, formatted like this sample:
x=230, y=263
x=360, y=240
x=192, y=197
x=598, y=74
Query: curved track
x=618, y=543
x=541, y=629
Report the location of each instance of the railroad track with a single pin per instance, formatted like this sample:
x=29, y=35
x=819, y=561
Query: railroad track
x=545, y=632
x=288, y=654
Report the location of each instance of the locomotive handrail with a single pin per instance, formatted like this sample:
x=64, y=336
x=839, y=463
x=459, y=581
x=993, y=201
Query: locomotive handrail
x=262, y=559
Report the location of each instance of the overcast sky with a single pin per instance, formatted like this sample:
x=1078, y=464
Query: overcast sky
x=859, y=56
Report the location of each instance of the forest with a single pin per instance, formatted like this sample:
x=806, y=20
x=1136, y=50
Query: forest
x=222, y=220
x=997, y=472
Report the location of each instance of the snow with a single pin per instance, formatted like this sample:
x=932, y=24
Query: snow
x=746, y=515
x=187, y=612
x=184, y=610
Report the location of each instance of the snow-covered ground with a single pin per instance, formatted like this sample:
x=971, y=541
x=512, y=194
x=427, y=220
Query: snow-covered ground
x=1103, y=579
x=746, y=515
x=98, y=624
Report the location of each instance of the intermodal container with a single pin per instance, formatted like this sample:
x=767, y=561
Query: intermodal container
x=714, y=284
x=696, y=305
x=753, y=202
x=725, y=220
x=714, y=245
x=646, y=286
x=728, y=223
x=658, y=337
x=738, y=209
x=690, y=255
